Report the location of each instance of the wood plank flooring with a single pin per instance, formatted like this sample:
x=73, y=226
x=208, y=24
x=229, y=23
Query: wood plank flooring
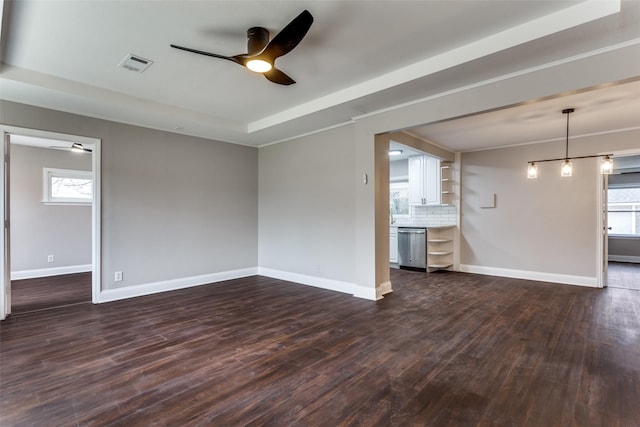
x=445, y=349
x=47, y=292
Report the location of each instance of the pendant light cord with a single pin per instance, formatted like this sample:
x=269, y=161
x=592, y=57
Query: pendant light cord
x=566, y=151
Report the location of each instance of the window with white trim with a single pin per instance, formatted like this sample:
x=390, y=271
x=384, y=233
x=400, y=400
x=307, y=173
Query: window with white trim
x=67, y=187
x=624, y=211
x=399, y=199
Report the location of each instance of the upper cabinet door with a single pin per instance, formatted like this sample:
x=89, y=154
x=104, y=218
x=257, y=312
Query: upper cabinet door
x=424, y=180
x=432, y=181
x=416, y=180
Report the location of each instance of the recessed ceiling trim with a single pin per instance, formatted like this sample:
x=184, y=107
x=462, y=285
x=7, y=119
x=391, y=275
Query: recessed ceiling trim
x=561, y=20
x=78, y=89
x=511, y=75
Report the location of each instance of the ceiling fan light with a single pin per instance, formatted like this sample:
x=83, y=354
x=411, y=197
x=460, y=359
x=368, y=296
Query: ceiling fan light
x=259, y=65
x=567, y=168
x=532, y=170
x=607, y=165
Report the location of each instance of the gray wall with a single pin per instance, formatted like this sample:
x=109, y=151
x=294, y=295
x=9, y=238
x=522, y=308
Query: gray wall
x=547, y=224
x=38, y=230
x=173, y=206
x=624, y=249
x=399, y=170
x=307, y=207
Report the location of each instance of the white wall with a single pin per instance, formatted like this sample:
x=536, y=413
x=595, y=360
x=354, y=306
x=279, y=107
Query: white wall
x=399, y=170
x=546, y=225
x=307, y=207
x=38, y=230
x=174, y=207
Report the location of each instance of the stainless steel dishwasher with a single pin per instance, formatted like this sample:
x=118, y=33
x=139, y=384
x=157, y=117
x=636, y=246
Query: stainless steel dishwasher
x=412, y=248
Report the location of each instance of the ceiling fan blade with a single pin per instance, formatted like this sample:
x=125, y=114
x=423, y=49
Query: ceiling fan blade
x=287, y=39
x=277, y=76
x=215, y=55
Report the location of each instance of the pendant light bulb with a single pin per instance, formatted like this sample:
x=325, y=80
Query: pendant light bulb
x=607, y=165
x=567, y=168
x=532, y=170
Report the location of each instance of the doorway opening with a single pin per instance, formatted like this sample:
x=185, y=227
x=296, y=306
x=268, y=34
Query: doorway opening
x=622, y=254
x=51, y=212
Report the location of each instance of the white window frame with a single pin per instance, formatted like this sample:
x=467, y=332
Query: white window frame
x=404, y=216
x=634, y=208
x=48, y=199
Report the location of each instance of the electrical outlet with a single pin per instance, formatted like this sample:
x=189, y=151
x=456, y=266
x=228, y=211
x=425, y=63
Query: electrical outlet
x=51, y=258
x=118, y=276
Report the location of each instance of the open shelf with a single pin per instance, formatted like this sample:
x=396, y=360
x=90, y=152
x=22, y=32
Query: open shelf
x=439, y=266
x=440, y=248
x=439, y=252
x=447, y=188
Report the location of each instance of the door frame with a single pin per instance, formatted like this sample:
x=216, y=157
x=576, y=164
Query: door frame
x=96, y=211
x=602, y=256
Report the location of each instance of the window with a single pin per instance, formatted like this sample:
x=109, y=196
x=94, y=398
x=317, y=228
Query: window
x=399, y=199
x=624, y=211
x=69, y=187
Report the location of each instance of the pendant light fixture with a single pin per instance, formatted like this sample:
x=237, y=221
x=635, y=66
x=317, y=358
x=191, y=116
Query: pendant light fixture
x=566, y=169
x=607, y=165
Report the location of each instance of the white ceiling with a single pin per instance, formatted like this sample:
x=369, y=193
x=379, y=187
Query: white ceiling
x=359, y=57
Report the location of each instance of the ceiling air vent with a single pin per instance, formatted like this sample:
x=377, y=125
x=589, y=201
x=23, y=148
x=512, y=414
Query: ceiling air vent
x=135, y=63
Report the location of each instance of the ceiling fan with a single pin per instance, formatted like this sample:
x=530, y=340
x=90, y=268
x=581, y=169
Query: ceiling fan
x=75, y=147
x=262, y=53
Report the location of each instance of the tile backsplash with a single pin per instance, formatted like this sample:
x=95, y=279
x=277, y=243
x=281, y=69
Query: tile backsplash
x=434, y=214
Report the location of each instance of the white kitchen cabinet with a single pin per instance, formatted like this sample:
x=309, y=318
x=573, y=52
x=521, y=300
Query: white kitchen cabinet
x=393, y=245
x=424, y=180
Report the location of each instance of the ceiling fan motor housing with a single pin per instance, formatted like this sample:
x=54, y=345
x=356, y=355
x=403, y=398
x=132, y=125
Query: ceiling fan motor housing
x=258, y=38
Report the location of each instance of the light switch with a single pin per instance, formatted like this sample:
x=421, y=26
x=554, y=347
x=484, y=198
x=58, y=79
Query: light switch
x=488, y=200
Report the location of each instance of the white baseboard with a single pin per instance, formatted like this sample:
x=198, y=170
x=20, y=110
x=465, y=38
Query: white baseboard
x=187, y=282
x=46, y=272
x=364, y=292
x=320, y=282
x=174, y=284
x=624, y=258
x=565, y=279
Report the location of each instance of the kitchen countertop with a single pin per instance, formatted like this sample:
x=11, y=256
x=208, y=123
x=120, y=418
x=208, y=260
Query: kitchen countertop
x=423, y=225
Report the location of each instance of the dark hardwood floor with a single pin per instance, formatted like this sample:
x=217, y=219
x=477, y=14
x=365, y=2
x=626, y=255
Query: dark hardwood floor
x=624, y=275
x=445, y=349
x=48, y=292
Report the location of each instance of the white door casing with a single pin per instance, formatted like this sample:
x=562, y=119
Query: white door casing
x=5, y=265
